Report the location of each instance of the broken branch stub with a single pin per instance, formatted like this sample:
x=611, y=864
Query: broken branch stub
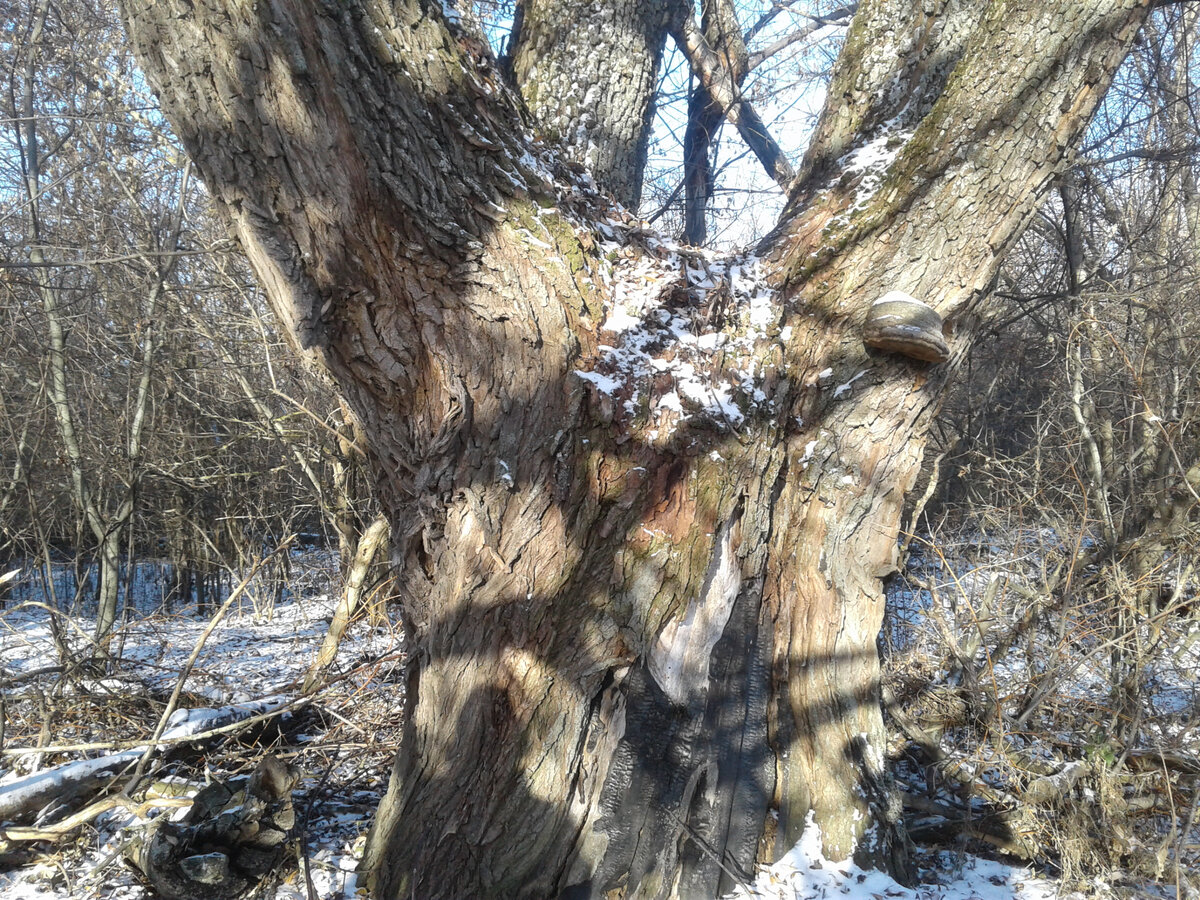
x=900, y=323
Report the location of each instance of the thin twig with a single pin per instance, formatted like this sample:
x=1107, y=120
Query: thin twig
x=92, y=810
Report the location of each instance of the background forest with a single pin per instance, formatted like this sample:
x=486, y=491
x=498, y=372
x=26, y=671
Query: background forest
x=160, y=441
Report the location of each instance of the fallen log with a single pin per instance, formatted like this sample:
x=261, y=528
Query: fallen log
x=60, y=786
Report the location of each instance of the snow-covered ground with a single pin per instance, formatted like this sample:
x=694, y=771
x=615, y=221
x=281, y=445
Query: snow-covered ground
x=261, y=652
x=255, y=652
x=988, y=593
x=805, y=874
x=1075, y=690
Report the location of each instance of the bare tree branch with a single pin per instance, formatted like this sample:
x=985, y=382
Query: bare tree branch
x=839, y=16
x=713, y=75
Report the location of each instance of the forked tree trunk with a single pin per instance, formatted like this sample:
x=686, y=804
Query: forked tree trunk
x=633, y=637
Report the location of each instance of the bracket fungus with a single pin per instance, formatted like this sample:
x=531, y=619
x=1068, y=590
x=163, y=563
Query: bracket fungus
x=903, y=324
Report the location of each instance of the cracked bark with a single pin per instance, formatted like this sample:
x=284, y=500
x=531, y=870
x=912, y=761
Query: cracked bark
x=566, y=734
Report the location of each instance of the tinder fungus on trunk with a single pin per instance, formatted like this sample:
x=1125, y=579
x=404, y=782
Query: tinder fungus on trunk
x=903, y=324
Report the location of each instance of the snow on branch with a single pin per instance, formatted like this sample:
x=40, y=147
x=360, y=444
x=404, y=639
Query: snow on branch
x=70, y=780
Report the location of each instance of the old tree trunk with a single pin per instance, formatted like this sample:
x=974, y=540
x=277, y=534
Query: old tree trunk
x=641, y=585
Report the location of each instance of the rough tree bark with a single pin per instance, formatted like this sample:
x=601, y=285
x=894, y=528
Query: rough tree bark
x=634, y=635
x=588, y=73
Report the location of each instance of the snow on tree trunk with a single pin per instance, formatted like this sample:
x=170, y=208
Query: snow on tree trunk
x=641, y=498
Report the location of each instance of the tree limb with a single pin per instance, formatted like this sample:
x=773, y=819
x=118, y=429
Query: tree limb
x=838, y=17
x=713, y=75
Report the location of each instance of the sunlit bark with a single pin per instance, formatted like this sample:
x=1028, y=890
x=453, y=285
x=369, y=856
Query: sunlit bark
x=588, y=73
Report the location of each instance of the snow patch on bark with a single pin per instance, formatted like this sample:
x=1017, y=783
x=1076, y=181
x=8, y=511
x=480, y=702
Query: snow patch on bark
x=870, y=162
x=843, y=389
x=865, y=167
x=683, y=331
x=680, y=657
